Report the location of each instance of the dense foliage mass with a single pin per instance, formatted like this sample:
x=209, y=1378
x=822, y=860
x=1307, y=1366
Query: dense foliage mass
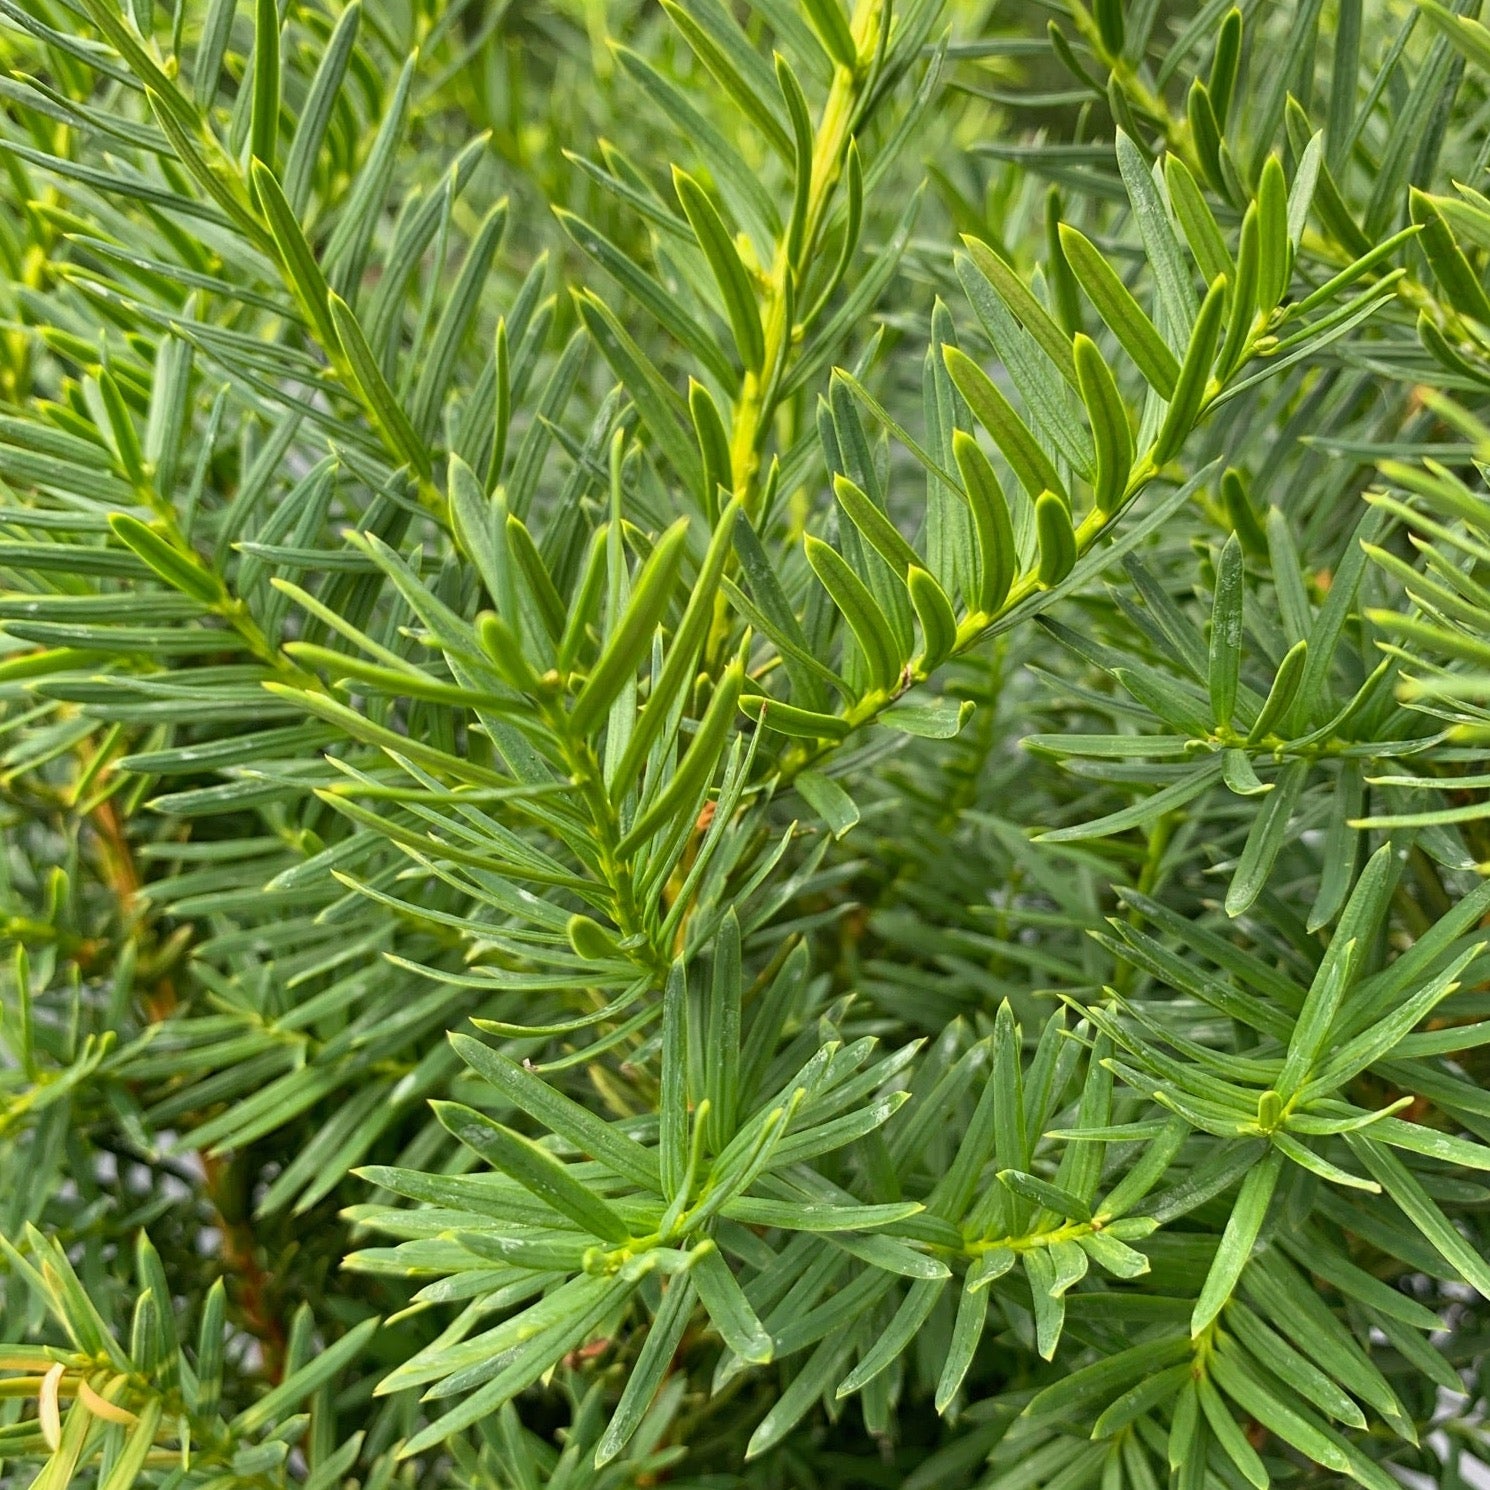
x=742, y=744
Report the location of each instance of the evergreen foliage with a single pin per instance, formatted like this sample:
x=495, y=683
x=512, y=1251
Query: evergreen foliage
x=743, y=745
